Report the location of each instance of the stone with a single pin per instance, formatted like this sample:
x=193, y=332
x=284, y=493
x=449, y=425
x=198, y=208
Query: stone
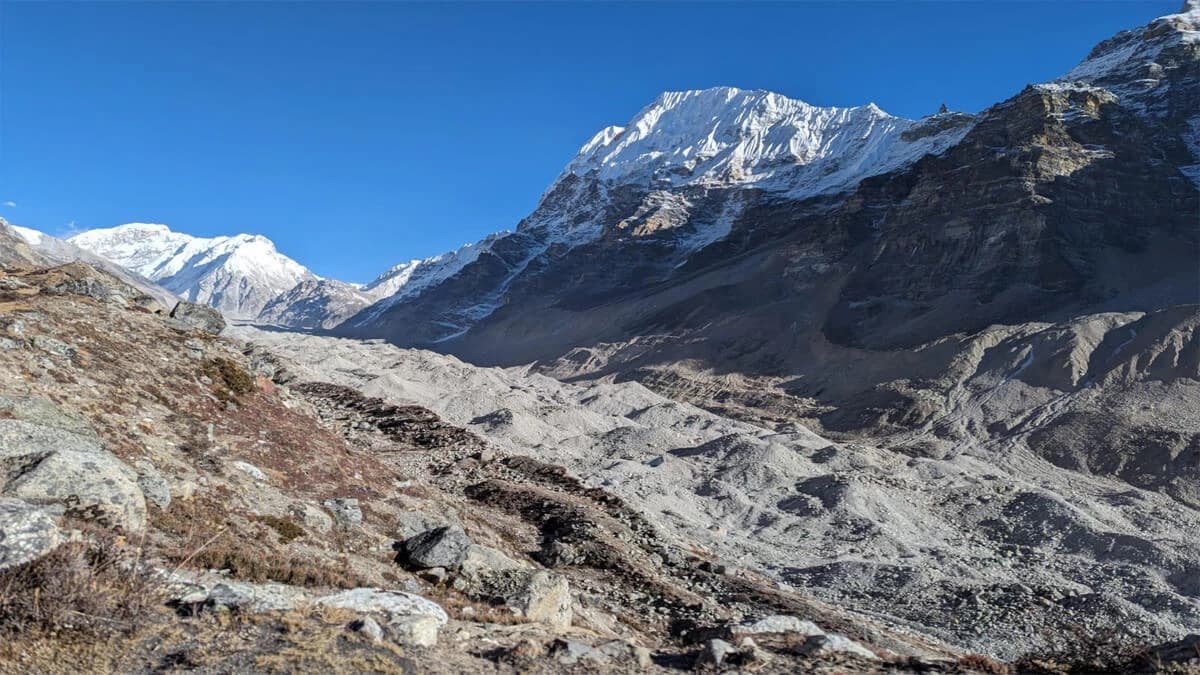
x=250, y=470
x=624, y=651
x=778, y=623
x=545, y=597
x=434, y=575
x=557, y=553
x=21, y=440
x=155, y=488
x=411, y=523
x=714, y=653
x=656, y=461
x=346, y=511
x=312, y=517
x=45, y=413
x=399, y=608
x=829, y=644
x=26, y=533
x=52, y=346
x=481, y=560
x=195, y=348
x=441, y=547
x=92, y=485
x=190, y=315
x=368, y=628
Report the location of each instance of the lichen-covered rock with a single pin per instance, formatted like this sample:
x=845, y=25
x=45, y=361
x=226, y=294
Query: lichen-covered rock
x=346, y=511
x=410, y=619
x=26, y=533
x=45, y=413
x=92, y=485
x=190, y=315
x=155, y=488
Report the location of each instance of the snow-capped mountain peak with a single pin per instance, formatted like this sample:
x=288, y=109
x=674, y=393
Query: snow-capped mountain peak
x=731, y=136
x=238, y=274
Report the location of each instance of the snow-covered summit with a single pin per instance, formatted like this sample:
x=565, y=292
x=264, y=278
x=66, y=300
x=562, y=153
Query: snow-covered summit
x=732, y=136
x=1135, y=62
x=238, y=274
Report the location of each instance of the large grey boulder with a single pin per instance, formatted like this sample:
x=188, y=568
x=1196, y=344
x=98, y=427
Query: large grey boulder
x=50, y=457
x=409, y=619
x=45, y=413
x=199, y=317
x=440, y=547
x=26, y=533
x=92, y=485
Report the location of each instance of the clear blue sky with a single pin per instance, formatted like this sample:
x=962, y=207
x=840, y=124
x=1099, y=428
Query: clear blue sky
x=357, y=135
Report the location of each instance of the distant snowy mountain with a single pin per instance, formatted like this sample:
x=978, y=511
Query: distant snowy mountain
x=237, y=274
x=54, y=251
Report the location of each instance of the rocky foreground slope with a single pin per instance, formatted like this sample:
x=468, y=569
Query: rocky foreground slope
x=174, y=501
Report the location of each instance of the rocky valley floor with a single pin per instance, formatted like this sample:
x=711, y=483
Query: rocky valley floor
x=268, y=501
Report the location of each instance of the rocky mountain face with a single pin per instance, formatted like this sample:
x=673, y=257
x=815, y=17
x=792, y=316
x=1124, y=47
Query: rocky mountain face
x=15, y=251
x=1038, y=206
x=865, y=275
x=315, y=303
x=238, y=275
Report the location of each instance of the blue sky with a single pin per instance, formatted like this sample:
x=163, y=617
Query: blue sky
x=358, y=135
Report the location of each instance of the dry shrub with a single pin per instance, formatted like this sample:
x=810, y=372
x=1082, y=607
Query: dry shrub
x=92, y=587
x=287, y=530
x=233, y=379
x=250, y=565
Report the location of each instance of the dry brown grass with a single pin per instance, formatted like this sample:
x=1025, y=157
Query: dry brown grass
x=256, y=565
x=94, y=587
x=287, y=530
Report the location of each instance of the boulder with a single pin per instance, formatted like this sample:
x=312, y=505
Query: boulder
x=345, y=510
x=26, y=533
x=92, y=485
x=45, y=413
x=368, y=628
x=441, y=547
x=830, y=644
x=154, y=487
x=250, y=470
x=311, y=516
x=479, y=561
x=192, y=316
x=410, y=619
x=714, y=653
